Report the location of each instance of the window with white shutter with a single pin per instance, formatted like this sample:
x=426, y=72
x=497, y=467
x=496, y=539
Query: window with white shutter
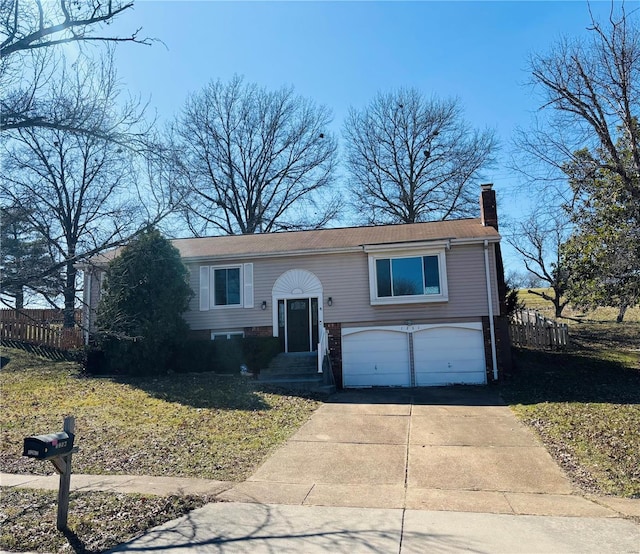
x=226, y=286
x=248, y=285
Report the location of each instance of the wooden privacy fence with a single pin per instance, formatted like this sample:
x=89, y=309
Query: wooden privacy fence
x=41, y=334
x=530, y=328
x=35, y=316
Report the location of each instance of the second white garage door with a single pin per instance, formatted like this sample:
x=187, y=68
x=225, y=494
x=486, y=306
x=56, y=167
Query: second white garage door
x=442, y=355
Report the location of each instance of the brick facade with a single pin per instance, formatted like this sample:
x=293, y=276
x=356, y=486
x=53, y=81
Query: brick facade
x=335, y=350
x=486, y=334
x=205, y=334
x=202, y=334
x=503, y=346
x=265, y=331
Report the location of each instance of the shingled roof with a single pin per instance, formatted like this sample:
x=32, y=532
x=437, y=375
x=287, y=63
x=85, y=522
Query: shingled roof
x=331, y=240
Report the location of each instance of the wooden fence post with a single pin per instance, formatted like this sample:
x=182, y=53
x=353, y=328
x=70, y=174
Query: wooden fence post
x=65, y=480
x=529, y=328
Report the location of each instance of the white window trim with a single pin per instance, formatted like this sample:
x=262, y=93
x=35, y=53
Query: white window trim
x=207, y=289
x=212, y=290
x=412, y=299
x=228, y=333
x=204, y=287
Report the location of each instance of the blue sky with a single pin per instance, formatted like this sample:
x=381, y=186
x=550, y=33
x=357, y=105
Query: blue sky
x=342, y=53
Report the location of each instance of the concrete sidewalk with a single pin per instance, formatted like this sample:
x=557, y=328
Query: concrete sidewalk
x=161, y=486
x=232, y=527
x=439, y=449
x=262, y=528
x=440, y=499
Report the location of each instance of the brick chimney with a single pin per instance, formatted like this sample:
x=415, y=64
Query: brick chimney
x=488, y=209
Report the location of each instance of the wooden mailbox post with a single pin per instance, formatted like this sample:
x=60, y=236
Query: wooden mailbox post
x=58, y=449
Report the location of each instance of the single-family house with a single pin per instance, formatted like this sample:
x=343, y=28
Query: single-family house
x=398, y=305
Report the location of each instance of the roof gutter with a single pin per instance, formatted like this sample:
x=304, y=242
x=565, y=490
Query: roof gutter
x=279, y=254
x=414, y=245
x=492, y=331
x=436, y=243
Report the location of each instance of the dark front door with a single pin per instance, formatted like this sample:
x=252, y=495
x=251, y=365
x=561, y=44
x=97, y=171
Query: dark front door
x=298, y=325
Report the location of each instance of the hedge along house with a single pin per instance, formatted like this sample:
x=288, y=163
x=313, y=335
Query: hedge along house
x=393, y=305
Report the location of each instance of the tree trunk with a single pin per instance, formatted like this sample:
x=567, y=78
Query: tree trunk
x=558, y=304
x=19, y=298
x=559, y=308
x=621, y=312
x=70, y=296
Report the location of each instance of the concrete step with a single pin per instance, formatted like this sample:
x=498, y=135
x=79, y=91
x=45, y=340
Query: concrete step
x=299, y=383
x=297, y=371
x=291, y=375
x=293, y=363
x=308, y=367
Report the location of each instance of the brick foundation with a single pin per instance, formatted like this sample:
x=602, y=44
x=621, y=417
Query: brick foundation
x=201, y=334
x=503, y=347
x=335, y=350
x=266, y=331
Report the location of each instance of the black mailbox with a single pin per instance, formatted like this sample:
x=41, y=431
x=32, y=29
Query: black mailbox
x=44, y=447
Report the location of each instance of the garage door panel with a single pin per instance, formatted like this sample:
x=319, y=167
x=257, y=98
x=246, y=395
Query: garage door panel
x=375, y=358
x=448, y=355
x=433, y=379
x=375, y=380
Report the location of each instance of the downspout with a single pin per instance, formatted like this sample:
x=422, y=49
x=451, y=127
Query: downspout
x=86, y=320
x=492, y=331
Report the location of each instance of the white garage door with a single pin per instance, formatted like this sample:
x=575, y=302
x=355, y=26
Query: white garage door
x=449, y=355
x=442, y=355
x=375, y=357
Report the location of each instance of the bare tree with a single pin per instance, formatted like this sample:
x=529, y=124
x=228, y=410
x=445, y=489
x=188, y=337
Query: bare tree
x=29, y=33
x=255, y=161
x=538, y=240
x=77, y=190
x=591, y=97
x=414, y=159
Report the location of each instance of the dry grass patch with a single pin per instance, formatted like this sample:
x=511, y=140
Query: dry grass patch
x=572, y=314
x=97, y=520
x=585, y=405
x=187, y=425
x=196, y=425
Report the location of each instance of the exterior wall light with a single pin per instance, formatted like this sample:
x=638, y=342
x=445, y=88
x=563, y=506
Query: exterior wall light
x=329, y=301
x=264, y=305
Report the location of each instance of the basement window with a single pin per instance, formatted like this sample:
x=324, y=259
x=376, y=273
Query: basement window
x=226, y=335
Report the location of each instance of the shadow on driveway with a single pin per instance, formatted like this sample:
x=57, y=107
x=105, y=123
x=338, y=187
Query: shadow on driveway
x=456, y=395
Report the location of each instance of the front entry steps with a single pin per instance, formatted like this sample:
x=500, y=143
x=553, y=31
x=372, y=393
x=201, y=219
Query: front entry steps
x=297, y=370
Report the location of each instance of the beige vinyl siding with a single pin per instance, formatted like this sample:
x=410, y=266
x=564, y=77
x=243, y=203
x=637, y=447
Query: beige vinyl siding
x=345, y=279
x=92, y=291
x=467, y=294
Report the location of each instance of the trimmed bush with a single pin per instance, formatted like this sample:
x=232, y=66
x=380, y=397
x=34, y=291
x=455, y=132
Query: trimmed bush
x=226, y=356
x=259, y=351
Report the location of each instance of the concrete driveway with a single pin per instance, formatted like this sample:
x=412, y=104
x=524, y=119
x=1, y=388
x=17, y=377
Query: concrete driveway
x=434, y=470
x=446, y=448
